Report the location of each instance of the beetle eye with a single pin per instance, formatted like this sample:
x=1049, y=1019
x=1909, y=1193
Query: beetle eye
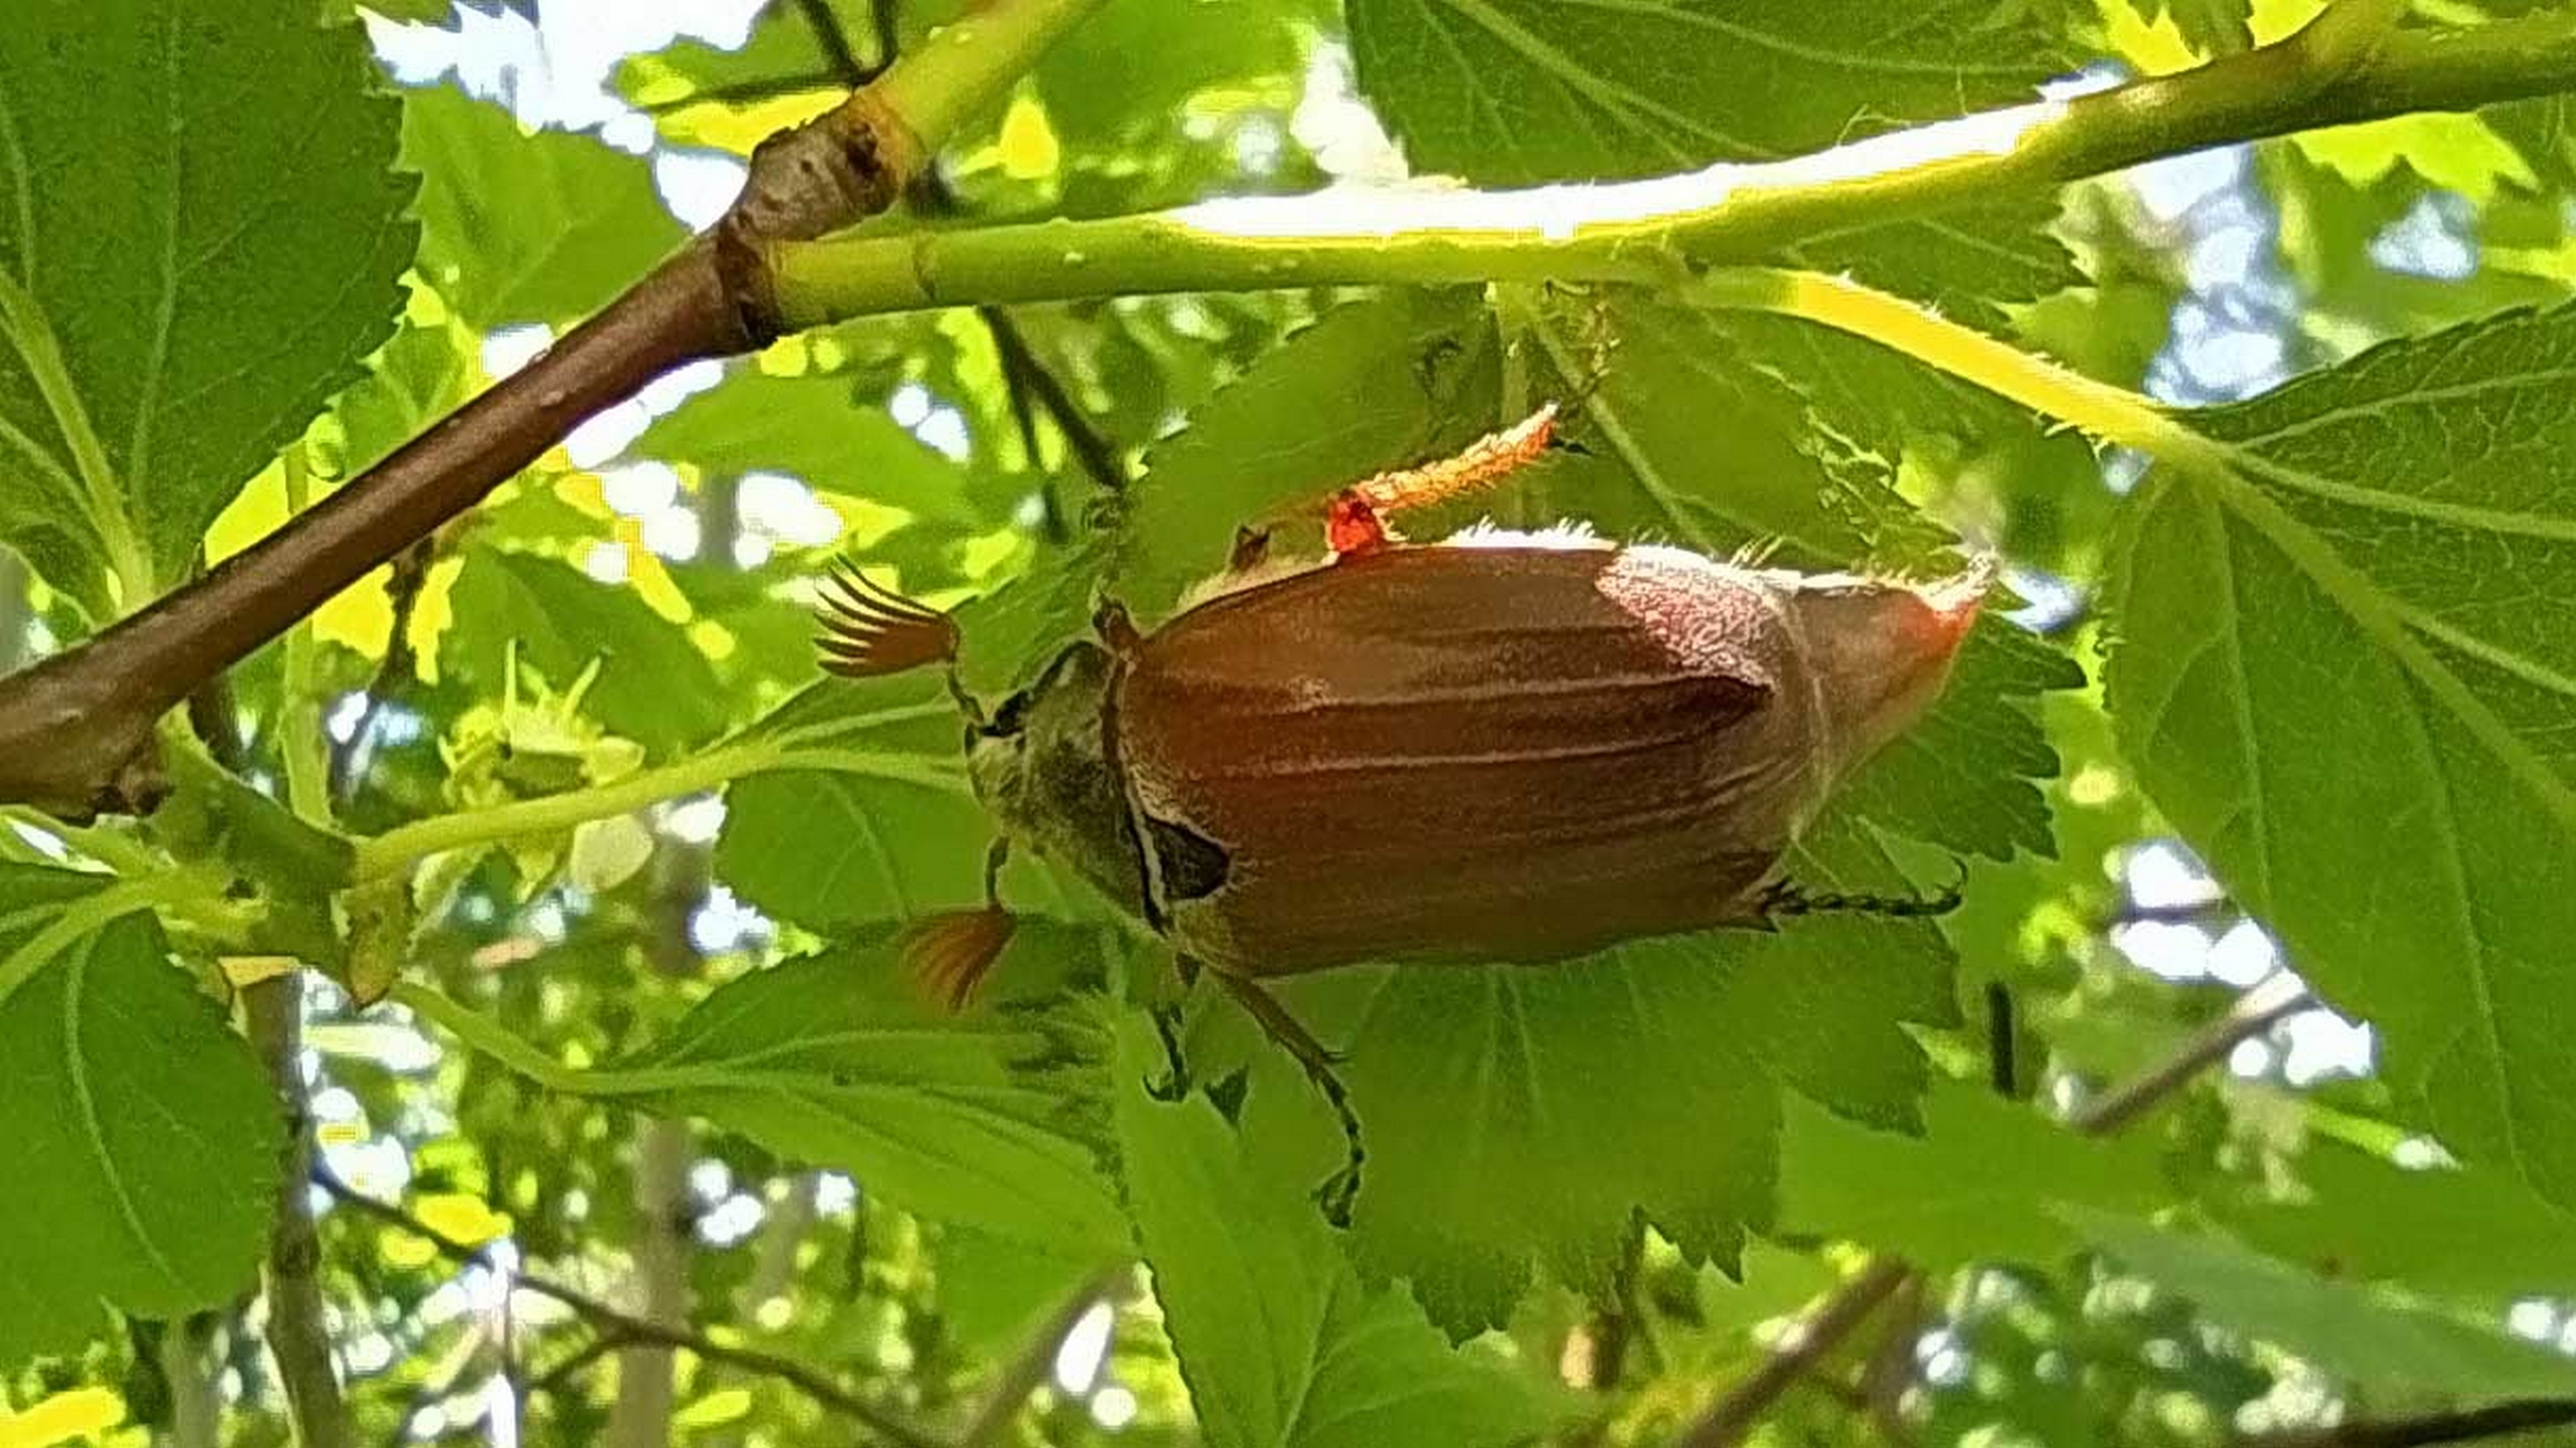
x=1008, y=720
x=1193, y=866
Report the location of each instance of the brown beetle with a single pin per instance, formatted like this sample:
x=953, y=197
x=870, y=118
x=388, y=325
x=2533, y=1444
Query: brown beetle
x=1508, y=746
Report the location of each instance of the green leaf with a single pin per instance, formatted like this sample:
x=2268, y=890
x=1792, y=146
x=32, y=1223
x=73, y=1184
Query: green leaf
x=1517, y=91
x=1280, y=1343
x=993, y=1291
x=993, y=1120
x=1592, y=1089
x=1978, y=1184
x=1697, y=441
x=424, y=373
x=820, y=429
x=2356, y=1332
x=870, y=818
x=1012, y=632
x=2347, y=657
x=519, y=227
x=1374, y=385
x=161, y=335
x=1123, y=73
x=2214, y=27
x=142, y=1133
x=654, y=686
x=1464, y=1076
x=1826, y=1004
x=1968, y=262
x=2466, y=1232
x=1869, y=411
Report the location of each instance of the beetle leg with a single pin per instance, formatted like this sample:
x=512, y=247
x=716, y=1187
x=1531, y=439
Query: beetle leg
x=1342, y=1188
x=1787, y=898
x=1116, y=629
x=1171, y=1014
x=1251, y=550
x=1174, y=1083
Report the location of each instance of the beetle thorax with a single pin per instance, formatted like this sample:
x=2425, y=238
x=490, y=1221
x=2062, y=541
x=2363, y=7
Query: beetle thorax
x=1044, y=770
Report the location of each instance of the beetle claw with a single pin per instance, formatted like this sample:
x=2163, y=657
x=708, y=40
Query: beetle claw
x=1175, y=1082
x=1342, y=1188
x=1338, y=1194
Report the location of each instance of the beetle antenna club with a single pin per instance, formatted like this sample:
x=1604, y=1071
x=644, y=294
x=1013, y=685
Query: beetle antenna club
x=950, y=953
x=870, y=631
x=1355, y=520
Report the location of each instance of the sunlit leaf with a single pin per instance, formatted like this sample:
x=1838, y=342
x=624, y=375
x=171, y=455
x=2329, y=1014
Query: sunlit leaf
x=818, y=428
x=1522, y=90
x=1283, y=1347
x=994, y=1120
x=1011, y=633
x=2466, y=1232
x=653, y=685
x=2346, y=672
x=871, y=821
x=2354, y=1331
x=1978, y=1184
x=143, y=1134
x=161, y=336
x=1375, y=385
x=519, y=227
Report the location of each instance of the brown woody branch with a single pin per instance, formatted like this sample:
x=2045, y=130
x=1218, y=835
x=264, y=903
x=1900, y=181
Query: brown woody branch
x=76, y=731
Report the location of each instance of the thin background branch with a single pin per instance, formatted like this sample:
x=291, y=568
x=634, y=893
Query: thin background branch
x=625, y=1327
x=1732, y=1417
x=299, y=1332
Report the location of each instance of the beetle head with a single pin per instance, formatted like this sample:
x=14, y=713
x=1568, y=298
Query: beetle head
x=1042, y=766
x=1878, y=649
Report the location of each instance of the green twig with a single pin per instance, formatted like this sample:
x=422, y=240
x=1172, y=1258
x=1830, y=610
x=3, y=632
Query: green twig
x=2338, y=71
x=487, y=1037
x=302, y=747
x=404, y=845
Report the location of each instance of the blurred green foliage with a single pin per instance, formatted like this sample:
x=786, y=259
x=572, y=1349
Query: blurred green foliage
x=568, y=774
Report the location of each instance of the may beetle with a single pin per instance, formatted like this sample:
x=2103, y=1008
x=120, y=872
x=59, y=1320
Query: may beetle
x=1506, y=746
